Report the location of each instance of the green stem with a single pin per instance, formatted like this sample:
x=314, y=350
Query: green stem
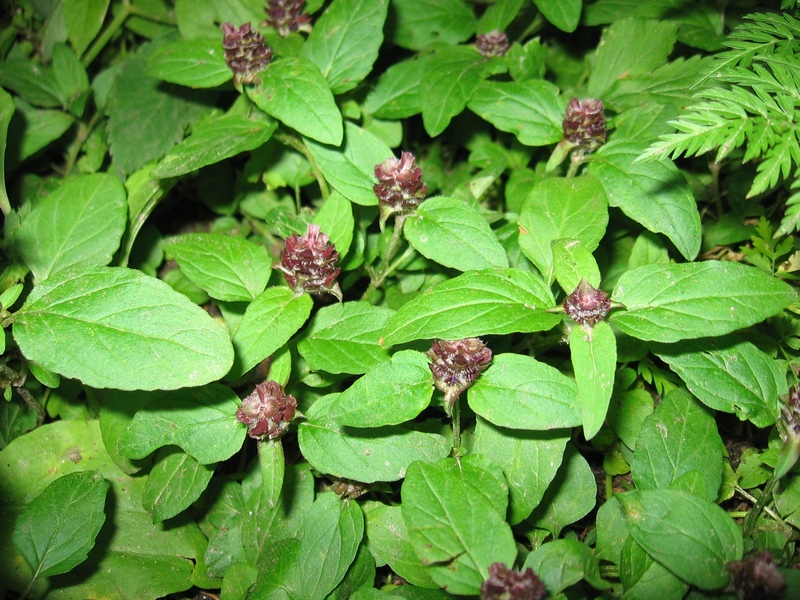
x=755, y=512
x=109, y=32
x=456, y=421
x=576, y=159
x=296, y=144
x=385, y=268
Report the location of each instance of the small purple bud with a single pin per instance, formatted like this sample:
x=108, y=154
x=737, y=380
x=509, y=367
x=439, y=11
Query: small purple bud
x=400, y=188
x=267, y=412
x=309, y=261
x=508, y=584
x=585, y=124
x=757, y=577
x=587, y=305
x=246, y=53
x=494, y=43
x=287, y=16
x=455, y=365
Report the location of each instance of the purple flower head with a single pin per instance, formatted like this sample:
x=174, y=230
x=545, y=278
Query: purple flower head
x=245, y=52
x=494, y=43
x=267, y=412
x=585, y=124
x=309, y=261
x=287, y=16
x=757, y=577
x=508, y=584
x=455, y=365
x=400, y=188
x=587, y=305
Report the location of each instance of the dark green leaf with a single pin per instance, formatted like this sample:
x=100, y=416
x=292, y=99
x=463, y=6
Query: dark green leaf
x=475, y=303
x=653, y=193
x=196, y=63
x=345, y=41
x=389, y=394
x=455, y=235
x=294, y=91
x=730, y=375
x=594, y=362
x=40, y=128
x=345, y=338
x=201, y=421
x=562, y=563
x=396, y=95
x=34, y=83
x=531, y=110
x=419, y=23
x=455, y=516
x=214, y=140
x=644, y=577
x=564, y=14
x=58, y=528
x=268, y=323
x=6, y=112
x=73, y=324
x=80, y=224
x=679, y=437
x=83, y=20
x=175, y=482
x=559, y=208
x=693, y=538
x=520, y=392
x=529, y=460
x=668, y=303
x=229, y=268
x=350, y=168
x=451, y=76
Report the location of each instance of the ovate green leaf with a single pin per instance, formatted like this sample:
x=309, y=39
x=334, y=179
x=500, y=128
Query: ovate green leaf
x=475, y=303
x=563, y=563
x=118, y=328
x=693, y=538
x=594, y=362
x=668, y=303
x=58, y=528
x=455, y=235
x=198, y=63
x=174, y=483
x=531, y=110
x=564, y=14
x=418, y=23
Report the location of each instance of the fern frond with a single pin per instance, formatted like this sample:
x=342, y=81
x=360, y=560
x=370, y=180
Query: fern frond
x=791, y=218
x=777, y=162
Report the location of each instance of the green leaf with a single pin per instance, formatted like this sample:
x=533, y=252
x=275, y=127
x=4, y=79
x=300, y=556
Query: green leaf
x=57, y=529
x=268, y=323
x=74, y=324
x=693, y=538
x=146, y=117
x=531, y=110
x=329, y=539
x=730, y=375
x=559, y=208
x=570, y=497
x=39, y=128
x=630, y=47
x=396, y=95
x=350, y=168
x=345, y=338
x=294, y=91
x=214, y=140
x=335, y=219
x=643, y=577
x=679, y=437
x=387, y=537
x=419, y=23
x=562, y=563
x=83, y=20
x=345, y=41
x=455, y=516
x=201, y=421
x=34, y=83
x=368, y=455
x=475, y=303
x=390, y=393
x=668, y=303
x=653, y=193
x=529, y=459
x=455, y=235
x=175, y=483
x=564, y=14
x=80, y=224
x=229, y=268
x=520, y=392
x=594, y=362
x=572, y=262
x=196, y=63
x=71, y=77
x=451, y=76
x=6, y=112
